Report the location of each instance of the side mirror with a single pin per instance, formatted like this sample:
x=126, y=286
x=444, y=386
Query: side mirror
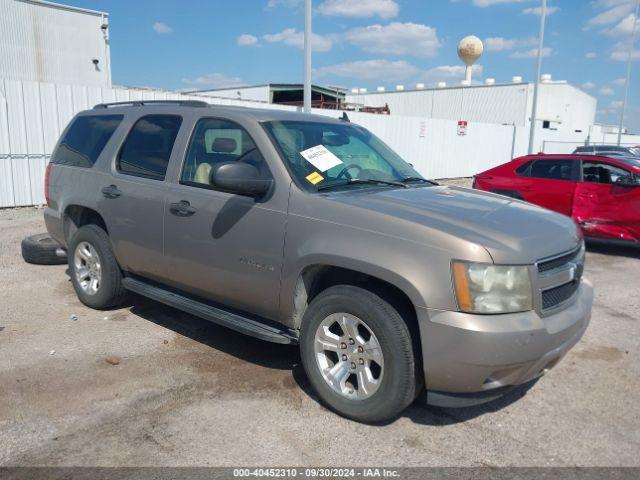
x=240, y=178
x=628, y=181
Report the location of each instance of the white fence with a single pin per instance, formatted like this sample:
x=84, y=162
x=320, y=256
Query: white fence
x=32, y=116
x=434, y=146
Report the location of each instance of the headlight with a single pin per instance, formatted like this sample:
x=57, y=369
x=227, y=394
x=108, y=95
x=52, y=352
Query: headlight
x=486, y=288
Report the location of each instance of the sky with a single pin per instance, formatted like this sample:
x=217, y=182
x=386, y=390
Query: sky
x=200, y=44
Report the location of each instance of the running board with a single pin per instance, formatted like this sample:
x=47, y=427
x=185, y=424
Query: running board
x=234, y=321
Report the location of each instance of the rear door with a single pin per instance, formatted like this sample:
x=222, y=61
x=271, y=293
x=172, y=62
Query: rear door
x=133, y=196
x=602, y=207
x=552, y=183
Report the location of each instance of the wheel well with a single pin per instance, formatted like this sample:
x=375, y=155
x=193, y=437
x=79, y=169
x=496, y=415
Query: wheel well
x=317, y=278
x=76, y=216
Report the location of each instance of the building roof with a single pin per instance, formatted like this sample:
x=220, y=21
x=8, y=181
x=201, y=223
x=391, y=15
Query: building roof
x=275, y=87
x=60, y=6
x=466, y=87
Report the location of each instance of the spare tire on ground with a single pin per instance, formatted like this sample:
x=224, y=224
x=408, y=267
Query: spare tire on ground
x=41, y=249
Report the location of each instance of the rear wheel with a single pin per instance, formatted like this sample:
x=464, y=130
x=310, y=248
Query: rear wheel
x=358, y=354
x=95, y=273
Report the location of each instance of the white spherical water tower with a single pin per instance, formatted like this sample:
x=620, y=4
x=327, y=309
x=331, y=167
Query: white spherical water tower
x=469, y=50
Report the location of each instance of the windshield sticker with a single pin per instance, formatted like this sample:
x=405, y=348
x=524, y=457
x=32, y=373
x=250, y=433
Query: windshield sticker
x=320, y=157
x=314, y=178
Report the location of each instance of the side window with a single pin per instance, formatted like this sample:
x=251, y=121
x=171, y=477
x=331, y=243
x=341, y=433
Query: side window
x=524, y=169
x=595, y=172
x=216, y=141
x=147, y=149
x=84, y=140
x=552, y=169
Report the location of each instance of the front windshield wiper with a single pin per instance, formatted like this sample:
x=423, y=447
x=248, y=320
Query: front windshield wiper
x=373, y=181
x=418, y=179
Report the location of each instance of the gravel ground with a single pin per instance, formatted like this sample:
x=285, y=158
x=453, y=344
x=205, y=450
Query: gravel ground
x=146, y=385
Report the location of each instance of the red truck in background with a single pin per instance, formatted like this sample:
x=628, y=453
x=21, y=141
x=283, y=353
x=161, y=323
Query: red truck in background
x=601, y=194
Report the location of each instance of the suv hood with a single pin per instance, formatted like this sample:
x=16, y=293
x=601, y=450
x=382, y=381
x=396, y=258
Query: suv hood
x=510, y=230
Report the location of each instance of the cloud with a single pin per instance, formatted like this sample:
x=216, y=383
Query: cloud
x=614, y=11
x=294, y=38
x=612, y=107
x=271, y=4
x=624, y=28
x=619, y=82
x=490, y=3
x=247, y=40
x=500, y=44
x=395, y=70
x=620, y=53
x=538, y=11
x=532, y=53
x=396, y=39
x=606, y=92
x=588, y=86
x=371, y=70
x=214, y=80
x=591, y=55
x=449, y=72
x=162, y=28
x=359, y=8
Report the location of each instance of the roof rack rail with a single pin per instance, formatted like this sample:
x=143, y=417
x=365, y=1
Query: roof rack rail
x=140, y=103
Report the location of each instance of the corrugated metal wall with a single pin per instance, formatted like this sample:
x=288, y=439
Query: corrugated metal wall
x=53, y=43
x=33, y=114
x=569, y=107
x=434, y=147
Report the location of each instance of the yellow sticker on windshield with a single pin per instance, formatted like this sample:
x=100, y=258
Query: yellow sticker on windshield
x=314, y=178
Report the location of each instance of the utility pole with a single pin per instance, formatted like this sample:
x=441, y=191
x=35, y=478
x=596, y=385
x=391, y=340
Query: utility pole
x=534, y=112
x=626, y=85
x=307, y=56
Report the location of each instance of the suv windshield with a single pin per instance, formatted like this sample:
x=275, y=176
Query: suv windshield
x=323, y=155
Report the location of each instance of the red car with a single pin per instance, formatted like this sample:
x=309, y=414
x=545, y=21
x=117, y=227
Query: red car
x=601, y=194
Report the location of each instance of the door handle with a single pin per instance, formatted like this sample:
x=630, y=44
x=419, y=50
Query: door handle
x=182, y=209
x=111, y=192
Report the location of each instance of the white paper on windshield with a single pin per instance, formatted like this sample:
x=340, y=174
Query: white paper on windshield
x=320, y=157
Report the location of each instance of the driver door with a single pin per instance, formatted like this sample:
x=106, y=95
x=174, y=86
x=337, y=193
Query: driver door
x=218, y=245
x=604, y=208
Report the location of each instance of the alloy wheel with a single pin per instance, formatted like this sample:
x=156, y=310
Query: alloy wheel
x=349, y=356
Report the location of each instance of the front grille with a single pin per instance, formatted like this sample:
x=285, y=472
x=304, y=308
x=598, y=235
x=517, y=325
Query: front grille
x=559, y=279
x=557, y=262
x=555, y=296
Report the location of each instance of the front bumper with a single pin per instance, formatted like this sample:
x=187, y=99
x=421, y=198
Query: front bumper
x=486, y=354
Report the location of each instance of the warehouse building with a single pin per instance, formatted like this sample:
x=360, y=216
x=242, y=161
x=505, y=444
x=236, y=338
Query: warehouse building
x=48, y=42
x=561, y=106
x=279, y=94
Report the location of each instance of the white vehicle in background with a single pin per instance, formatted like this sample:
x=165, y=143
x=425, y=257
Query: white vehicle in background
x=608, y=150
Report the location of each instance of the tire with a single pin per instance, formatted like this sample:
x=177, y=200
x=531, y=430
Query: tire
x=396, y=386
x=90, y=249
x=41, y=249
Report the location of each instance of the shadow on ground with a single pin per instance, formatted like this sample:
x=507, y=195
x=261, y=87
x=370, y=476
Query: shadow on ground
x=286, y=357
x=244, y=347
x=606, y=247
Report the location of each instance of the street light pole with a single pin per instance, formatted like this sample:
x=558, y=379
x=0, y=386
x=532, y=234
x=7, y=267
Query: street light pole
x=534, y=112
x=307, y=56
x=626, y=85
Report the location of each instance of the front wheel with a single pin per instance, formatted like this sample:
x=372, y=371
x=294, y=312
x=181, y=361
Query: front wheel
x=358, y=354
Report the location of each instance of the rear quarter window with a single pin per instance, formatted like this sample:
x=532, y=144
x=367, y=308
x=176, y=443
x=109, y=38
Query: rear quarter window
x=524, y=169
x=85, y=139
